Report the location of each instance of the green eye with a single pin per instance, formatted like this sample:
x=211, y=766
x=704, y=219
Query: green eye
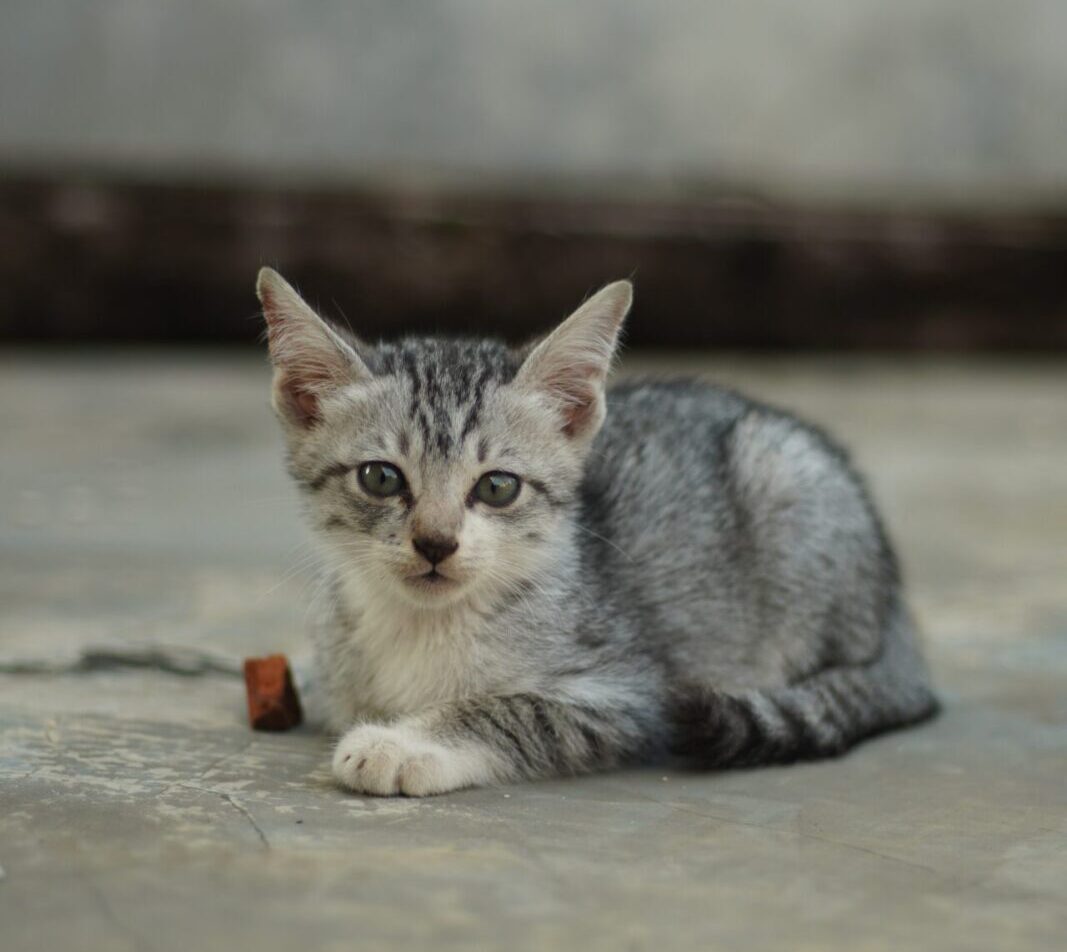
x=497, y=489
x=381, y=479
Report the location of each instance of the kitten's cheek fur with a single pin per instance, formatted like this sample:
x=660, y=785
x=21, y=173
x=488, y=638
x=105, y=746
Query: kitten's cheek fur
x=386, y=761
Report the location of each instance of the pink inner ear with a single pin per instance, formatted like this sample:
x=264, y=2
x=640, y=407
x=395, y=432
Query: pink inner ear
x=575, y=417
x=308, y=405
x=579, y=395
x=302, y=405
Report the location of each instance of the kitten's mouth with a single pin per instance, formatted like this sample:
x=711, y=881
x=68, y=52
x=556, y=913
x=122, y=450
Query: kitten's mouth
x=430, y=580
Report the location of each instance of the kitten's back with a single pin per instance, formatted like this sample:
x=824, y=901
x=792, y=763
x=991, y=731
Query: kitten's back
x=742, y=541
x=740, y=532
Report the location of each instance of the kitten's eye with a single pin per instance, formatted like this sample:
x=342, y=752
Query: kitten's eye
x=381, y=479
x=497, y=489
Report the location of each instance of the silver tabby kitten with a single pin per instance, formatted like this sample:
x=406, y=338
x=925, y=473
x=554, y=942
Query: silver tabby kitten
x=531, y=575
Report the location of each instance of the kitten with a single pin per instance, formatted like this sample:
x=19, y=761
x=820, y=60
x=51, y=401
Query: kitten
x=529, y=575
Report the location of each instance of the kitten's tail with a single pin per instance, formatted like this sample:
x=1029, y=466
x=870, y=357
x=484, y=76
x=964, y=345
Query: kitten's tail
x=821, y=716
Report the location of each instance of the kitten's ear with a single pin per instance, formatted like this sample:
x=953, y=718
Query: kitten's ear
x=311, y=360
x=571, y=364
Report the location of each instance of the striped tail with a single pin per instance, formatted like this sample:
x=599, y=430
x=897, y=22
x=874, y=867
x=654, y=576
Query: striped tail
x=821, y=716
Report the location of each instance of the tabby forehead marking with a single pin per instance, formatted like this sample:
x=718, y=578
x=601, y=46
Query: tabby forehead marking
x=447, y=382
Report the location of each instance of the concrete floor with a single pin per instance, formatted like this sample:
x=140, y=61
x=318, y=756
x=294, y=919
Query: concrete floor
x=143, y=502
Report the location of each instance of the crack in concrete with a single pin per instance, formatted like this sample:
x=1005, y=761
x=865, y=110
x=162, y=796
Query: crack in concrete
x=223, y=795
x=246, y=813
x=218, y=762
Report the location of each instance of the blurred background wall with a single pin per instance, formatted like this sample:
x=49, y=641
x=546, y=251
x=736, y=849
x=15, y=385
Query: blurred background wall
x=834, y=172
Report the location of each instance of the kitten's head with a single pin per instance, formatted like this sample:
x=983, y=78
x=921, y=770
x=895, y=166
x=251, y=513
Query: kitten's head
x=438, y=469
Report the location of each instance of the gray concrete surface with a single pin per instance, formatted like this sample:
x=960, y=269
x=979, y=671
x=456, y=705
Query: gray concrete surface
x=143, y=501
x=853, y=100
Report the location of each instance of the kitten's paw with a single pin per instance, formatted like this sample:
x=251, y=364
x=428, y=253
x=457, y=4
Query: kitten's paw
x=386, y=761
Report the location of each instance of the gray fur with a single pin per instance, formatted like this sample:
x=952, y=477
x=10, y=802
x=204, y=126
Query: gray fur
x=704, y=575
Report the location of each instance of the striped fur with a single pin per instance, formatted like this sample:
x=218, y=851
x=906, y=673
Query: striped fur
x=683, y=572
x=822, y=715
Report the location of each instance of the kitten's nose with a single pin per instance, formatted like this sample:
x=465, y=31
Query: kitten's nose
x=435, y=548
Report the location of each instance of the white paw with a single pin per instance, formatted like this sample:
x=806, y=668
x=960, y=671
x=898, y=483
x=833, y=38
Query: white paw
x=386, y=761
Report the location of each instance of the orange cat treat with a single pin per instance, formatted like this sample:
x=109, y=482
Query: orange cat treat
x=273, y=704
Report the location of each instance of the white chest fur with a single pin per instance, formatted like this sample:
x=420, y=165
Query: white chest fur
x=397, y=658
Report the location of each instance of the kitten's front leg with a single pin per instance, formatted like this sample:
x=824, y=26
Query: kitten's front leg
x=482, y=741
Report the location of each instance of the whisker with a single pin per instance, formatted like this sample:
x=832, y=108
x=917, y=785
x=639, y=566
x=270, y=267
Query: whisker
x=597, y=535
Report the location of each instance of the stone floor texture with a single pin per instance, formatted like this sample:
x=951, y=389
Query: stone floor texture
x=143, y=503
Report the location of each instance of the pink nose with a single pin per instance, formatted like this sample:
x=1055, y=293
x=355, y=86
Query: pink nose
x=435, y=549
